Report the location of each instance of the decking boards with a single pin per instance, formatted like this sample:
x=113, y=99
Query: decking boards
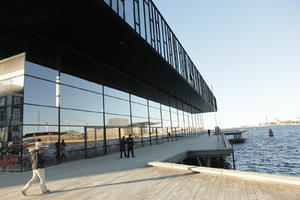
x=110, y=177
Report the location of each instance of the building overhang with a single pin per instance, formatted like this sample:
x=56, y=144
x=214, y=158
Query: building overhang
x=89, y=40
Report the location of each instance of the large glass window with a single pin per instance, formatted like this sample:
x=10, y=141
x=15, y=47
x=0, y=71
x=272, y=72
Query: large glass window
x=40, y=71
x=154, y=113
x=73, y=117
x=139, y=110
x=117, y=120
x=80, y=83
x=116, y=106
x=39, y=91
x=40, y=115
x=116, y=93
x=129, y=16
x=80, y=99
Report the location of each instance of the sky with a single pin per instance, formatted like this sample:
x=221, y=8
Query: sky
x=248, y=52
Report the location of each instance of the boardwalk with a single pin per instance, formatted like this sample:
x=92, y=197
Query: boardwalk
x=110, y=177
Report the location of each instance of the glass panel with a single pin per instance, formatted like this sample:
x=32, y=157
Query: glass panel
x=121, y=9
x=154, y=113
x=116, y=106
x=147, y=24
x=40, y=71
x=40, y=115
x=72, y=117
x=107, y=2
x=142, y=19
x=95, y=141
x=80, y=83
x=154, y=104
x=129, y=12
x=35, y=87
x=80, y=99
x=138, y=100
x=165, y=115
x=139, y=110
x=116, y=93
x=114, y=5
x=72, y=143
x=117, y=121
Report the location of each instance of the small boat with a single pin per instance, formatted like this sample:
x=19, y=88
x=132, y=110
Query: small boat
x=270, y=132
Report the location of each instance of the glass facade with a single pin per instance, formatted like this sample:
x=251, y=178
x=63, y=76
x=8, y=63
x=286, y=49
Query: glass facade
x=87, y=118
x=147, y=21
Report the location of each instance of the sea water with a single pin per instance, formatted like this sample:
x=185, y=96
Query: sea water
x=274, y=155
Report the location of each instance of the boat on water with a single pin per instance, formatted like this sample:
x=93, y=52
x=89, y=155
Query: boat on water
x=271, y=132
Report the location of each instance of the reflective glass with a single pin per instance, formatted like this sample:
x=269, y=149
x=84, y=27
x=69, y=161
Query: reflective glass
x=80, y=99
x=129, y=17
x=116, y=106
x=80, y=83
x=46, y=133
x=154, y=104
x=140, y=122
x=121, y=9
x=39, y=91
x=72, y=117
x=165, y=115
x=117, y=120
x=139, y=110
x=11, y=85
x=147, y=23
x=107, y=2
x=40, y=115
x=114, y=5
x=116, y=93
x=142, y=19
x=40, y=71
x=154, y=113
x=138, y=100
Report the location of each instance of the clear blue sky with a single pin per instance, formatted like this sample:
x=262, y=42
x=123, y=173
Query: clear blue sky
x=249, y=51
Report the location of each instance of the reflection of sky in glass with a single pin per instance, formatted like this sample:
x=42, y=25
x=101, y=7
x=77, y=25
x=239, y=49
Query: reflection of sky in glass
x=80, y=83
x=38, y=91
x=72, y=117
x=116, y=106
x=40, y=71
x=139, y=110
x=116, y=93
x=80, y=99
x=40, y=114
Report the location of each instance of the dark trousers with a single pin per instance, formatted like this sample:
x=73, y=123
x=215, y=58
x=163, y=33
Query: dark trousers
x=130, y=149
x=121, y=153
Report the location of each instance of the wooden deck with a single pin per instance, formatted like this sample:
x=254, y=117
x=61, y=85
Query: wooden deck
x=110, y=177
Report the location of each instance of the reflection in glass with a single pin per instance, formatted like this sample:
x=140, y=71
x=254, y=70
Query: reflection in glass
x=74, y=117
x=80, y=83
x=116, y=93
x=40, y=71
x=139, y=110
x=154, y=104
x=116, y=106
x=117, y=120
x=40, y=115
x=80, y=99
x=95, y=141
x=154, y=113
x=129, y=17
x=39, y=92
x=139, y=100
x=165, y=115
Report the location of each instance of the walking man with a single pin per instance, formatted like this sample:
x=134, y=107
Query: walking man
x=208, y=132
x=130, y=144
x=37, y=169
x=123, y=147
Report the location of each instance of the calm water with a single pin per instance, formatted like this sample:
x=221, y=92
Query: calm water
x=274, y=155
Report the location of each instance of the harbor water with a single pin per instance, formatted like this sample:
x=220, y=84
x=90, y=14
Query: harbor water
x=274, y=155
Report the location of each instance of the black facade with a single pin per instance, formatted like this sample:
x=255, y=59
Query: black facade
x=91, y=72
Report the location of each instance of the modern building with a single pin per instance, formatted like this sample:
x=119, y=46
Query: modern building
x=90, y=72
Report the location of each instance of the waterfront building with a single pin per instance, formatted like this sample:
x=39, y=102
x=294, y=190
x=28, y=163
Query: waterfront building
x=91, y=72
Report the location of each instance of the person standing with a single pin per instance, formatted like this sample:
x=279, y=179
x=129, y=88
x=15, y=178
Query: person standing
x=130, y=144
x=208, y=132
x=123, y=147
x=62, y=150
x=37, y=170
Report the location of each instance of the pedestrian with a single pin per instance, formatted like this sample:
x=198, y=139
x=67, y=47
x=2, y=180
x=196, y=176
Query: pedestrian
x=123, y=147
x=62, y=150
x=57, y=147
x=37, y=169
x=130, y=144
x=208, y=132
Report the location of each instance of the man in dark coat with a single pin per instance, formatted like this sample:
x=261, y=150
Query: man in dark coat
x=123, y=147
x=37, y=170
x=130, y=144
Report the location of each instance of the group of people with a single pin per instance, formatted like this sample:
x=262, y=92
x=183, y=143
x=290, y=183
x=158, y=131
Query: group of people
x=126, y=145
